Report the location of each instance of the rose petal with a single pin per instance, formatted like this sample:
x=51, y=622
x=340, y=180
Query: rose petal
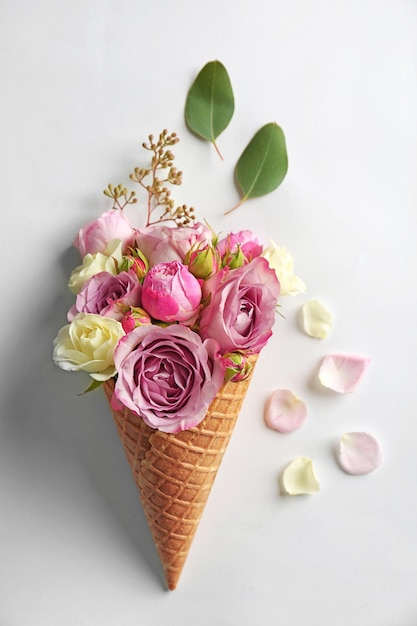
x=298, y=477
x=284, y=411
x=317, y=319
x=281, y=261
x=359, y=453
x=343, y=372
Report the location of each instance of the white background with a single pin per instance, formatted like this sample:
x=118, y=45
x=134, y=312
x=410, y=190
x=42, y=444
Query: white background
x=83, y=84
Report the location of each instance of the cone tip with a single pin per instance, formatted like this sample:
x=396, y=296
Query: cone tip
x=172, y=577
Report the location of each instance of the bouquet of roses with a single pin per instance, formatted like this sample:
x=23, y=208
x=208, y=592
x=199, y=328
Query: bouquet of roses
x=170, y=318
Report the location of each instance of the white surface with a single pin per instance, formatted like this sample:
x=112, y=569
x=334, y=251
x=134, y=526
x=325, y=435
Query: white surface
x=83, y=84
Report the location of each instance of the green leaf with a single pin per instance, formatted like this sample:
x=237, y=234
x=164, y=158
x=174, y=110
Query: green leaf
x=95, y=384
x=263, y=164
x=210, y=102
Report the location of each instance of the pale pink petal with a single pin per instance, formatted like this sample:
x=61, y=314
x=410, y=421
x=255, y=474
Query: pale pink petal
x=299, y=478
x=284, y=411
x=342, y=372
x=359, y=453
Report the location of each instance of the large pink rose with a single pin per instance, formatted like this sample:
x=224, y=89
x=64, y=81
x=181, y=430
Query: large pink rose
x=242, y=306
x=171, y=293
x=168, y=376
x=108, y=295
x=95, y=236
x=162, y=244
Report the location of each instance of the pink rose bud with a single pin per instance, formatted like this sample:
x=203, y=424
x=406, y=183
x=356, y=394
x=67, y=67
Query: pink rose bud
x=136, y=261
x=203, y=262
x=239, y=248
x=237, y=366
x=171, y=293
x=235, y=259
x=134, y=318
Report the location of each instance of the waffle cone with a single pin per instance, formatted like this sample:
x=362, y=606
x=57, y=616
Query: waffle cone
x=175, y=472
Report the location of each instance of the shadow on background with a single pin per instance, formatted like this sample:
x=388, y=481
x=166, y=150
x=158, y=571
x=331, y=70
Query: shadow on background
x=44, y=419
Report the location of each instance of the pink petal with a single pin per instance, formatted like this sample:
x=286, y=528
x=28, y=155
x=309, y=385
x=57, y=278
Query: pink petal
x=284, y=411
x=359, y=453
x=343, y=372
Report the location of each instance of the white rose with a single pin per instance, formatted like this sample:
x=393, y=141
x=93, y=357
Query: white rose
x=92, y=264
x=282, y=262
x=88, y=344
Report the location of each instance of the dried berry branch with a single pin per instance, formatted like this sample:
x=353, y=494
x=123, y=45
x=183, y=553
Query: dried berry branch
x=154, y=181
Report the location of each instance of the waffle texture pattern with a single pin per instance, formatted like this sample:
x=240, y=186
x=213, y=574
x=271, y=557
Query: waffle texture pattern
x=175, y=472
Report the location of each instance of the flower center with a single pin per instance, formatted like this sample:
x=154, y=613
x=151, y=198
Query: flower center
x=245, y=317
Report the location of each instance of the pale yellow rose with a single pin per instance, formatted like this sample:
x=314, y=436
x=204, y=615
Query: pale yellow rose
x=92, y=264
x=88, y=344
x=282, y=262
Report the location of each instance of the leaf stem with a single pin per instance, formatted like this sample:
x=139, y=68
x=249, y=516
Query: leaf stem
x=236, y=205
x=217, y=150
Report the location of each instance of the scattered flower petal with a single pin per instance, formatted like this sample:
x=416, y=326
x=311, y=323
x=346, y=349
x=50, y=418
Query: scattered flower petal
x=281, y=261
x=284, y=411
x=298, y=477
x=359, y=453
x=317, y=319
x=343, y=372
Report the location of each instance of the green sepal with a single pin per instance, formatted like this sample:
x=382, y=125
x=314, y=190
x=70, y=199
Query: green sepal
x=95, y=384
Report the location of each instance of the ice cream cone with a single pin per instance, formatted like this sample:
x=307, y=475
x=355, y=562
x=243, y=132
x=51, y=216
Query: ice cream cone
x=175, y=472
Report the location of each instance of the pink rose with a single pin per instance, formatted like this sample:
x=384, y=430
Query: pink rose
x=168, y=376
x=242, y=307
x=95, y=236
x=242, y=246
x=162, y=244
x=108, y=295
x=171, y=293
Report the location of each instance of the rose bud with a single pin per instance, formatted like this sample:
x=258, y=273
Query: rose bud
x=137, y=261
x=237, y=366
x=203, y=262
x=171, y=293
x=237, y=249
x=235, y=259
x=134, y=318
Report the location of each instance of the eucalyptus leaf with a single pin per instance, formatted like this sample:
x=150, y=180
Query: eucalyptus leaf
x=210, y=102
x=263, y=164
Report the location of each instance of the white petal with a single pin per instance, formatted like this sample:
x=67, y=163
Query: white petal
x=343, y=372
x=284, y=411
x=317, y=319
x=359, y=453
x=281, y=261
x=298, y=477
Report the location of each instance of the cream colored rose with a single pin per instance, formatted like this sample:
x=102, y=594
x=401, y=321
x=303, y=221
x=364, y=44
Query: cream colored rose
x=282, y=262
x=88, y=344
x=92, y=264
